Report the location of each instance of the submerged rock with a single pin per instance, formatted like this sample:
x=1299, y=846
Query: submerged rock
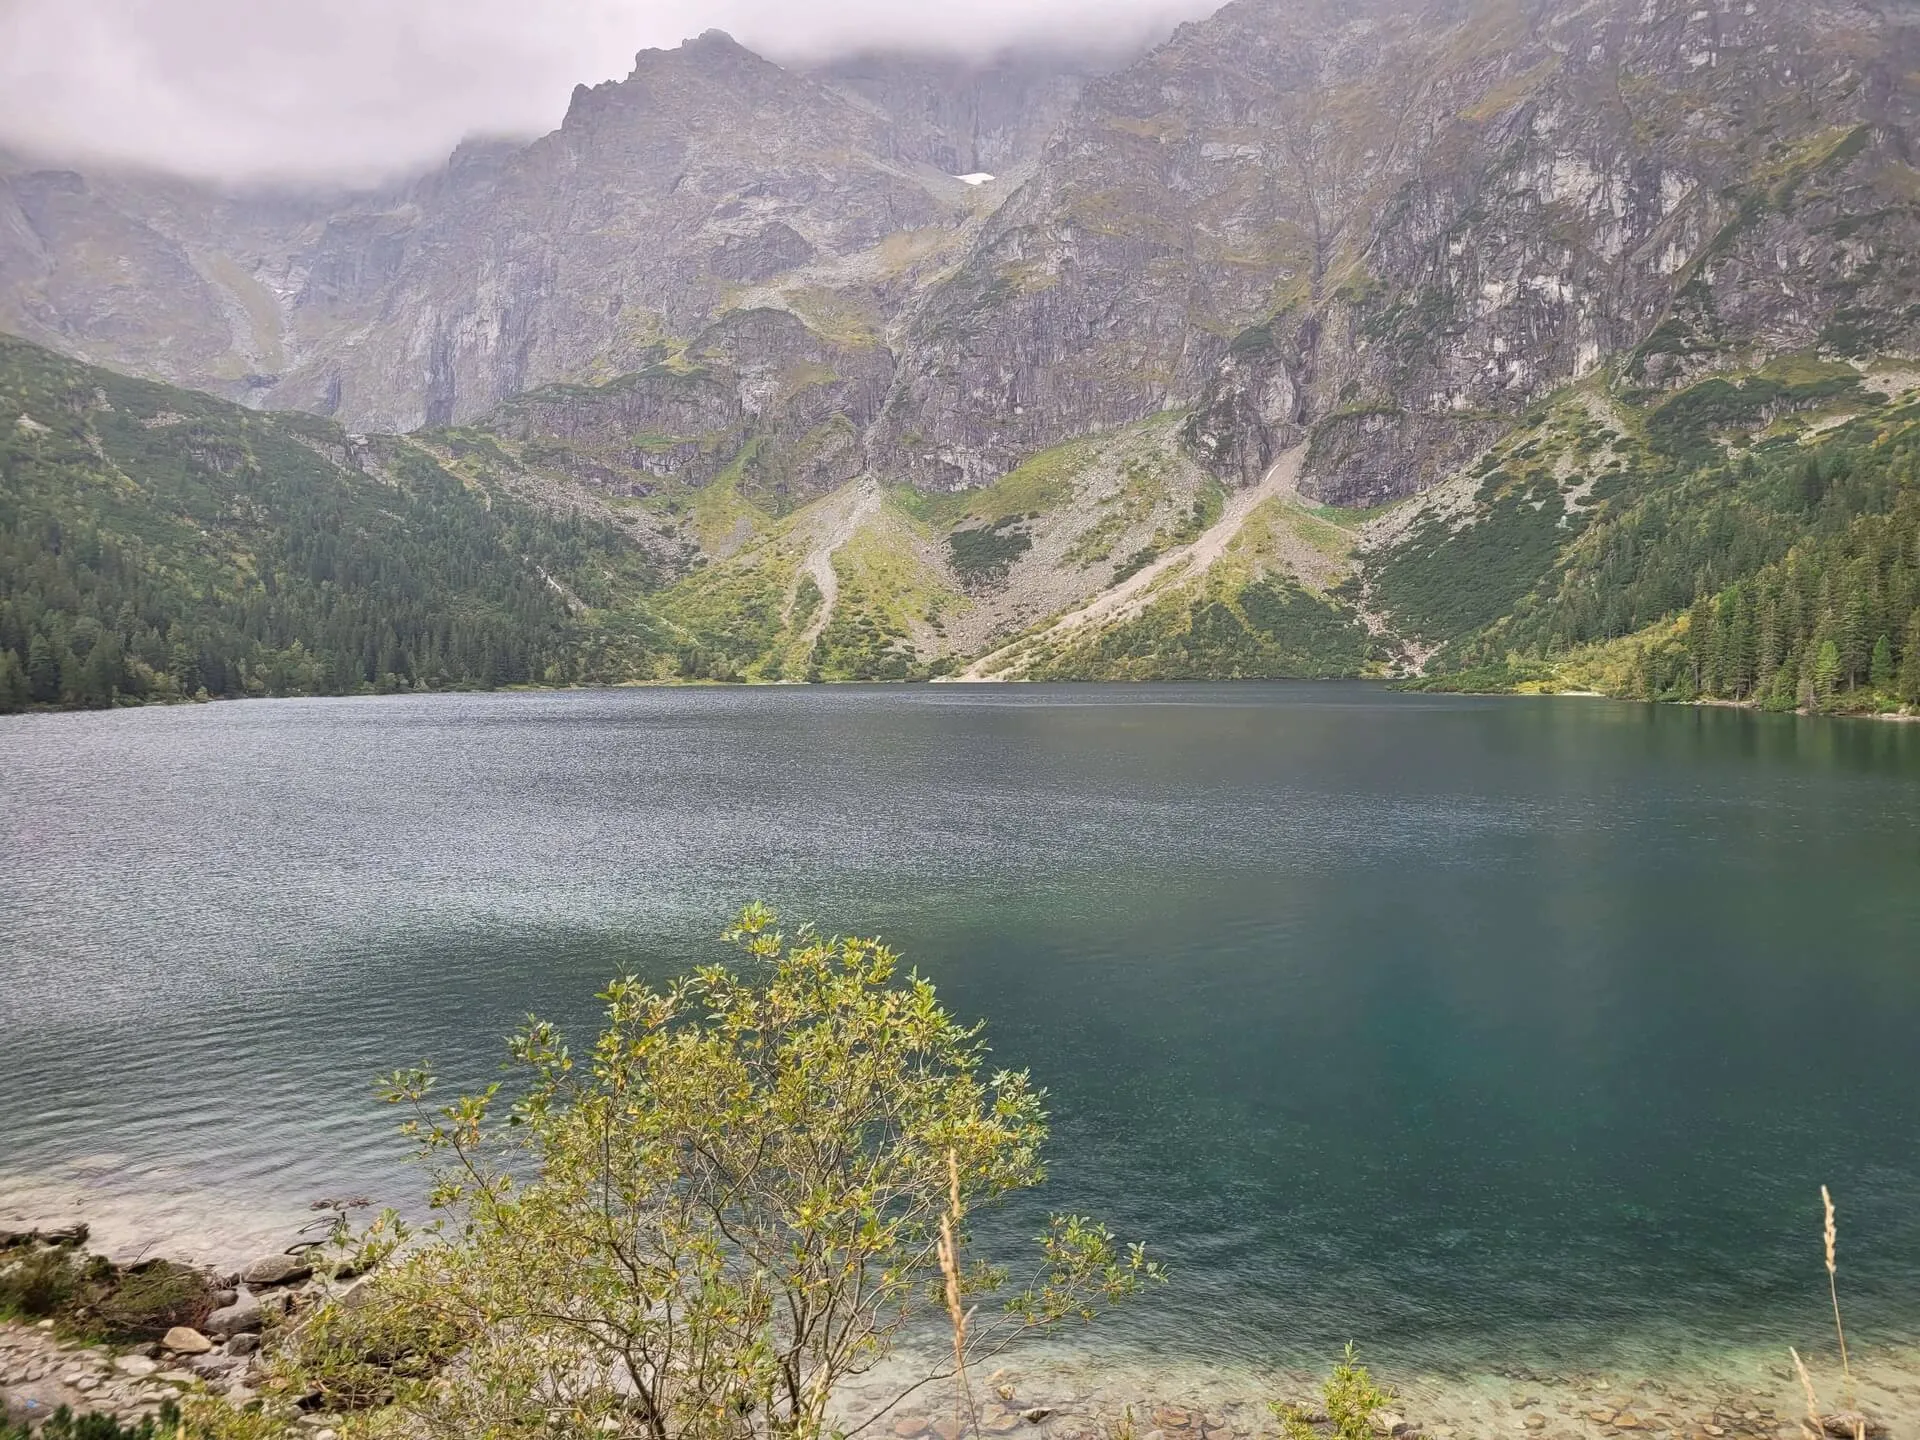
x=1847, y=1424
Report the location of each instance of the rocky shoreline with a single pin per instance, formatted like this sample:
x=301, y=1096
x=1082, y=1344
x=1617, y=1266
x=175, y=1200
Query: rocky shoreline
x=226, y=1318
x=47, y=1364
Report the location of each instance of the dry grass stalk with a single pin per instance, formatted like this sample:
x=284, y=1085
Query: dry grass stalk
x=1812, y=1423
x=1833, y=1290
x=958, y=1316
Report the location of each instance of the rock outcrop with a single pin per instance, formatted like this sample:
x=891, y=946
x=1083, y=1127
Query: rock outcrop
x=1387, y=227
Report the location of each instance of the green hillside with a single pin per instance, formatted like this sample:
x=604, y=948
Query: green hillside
x=1752, y=539
x=157, y=543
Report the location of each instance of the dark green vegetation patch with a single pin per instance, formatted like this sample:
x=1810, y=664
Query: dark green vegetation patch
x=157, y=543
x=1268, y=630
x=1445, y=581
x=983, y=554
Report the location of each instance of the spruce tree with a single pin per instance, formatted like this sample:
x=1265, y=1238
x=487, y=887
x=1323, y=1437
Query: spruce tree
x=1827, y=672
x=1910, y=663
x=43, y=672
x=13, y=683
x=1880, y=672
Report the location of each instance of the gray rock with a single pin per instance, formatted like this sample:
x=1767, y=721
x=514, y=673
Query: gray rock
x=1850, y=1423
x=241, y=1314
x=138, y=1366
x=244, y=1343
x=276, y=1270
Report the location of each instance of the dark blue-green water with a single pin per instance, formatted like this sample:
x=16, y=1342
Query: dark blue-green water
x=1462, y=1028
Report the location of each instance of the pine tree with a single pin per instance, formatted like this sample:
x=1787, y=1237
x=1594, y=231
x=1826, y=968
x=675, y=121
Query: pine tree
x=1700, y=641
x=43, y=672
x=101, y=674
x=1856, y=649
x=13, y=683
x=1880, y=671
x=1827, y=673
x=1910, y=664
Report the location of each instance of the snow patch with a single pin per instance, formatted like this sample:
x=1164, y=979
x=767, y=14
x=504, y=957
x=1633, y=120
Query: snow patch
x=979, y=177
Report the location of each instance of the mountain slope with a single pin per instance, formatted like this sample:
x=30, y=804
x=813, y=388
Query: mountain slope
x=1386, y=227
x=708, y=180
x=1751, y=539
x=1530, y=275
x=156, y=543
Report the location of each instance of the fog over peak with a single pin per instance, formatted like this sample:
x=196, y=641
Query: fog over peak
x=356, y=90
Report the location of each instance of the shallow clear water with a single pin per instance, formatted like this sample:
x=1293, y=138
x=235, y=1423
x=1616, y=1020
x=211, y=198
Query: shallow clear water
x=1463, y=1028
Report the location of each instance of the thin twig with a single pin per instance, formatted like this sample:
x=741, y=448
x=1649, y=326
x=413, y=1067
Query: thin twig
x=950, y=1267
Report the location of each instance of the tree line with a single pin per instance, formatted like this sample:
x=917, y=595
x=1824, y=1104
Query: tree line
x=1787, y=577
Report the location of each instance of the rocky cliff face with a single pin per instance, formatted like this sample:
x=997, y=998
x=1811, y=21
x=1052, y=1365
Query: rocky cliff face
x=660, y=205
x=759, y=394
x=968, y=117
x=1380, y=228
x=1386, y=228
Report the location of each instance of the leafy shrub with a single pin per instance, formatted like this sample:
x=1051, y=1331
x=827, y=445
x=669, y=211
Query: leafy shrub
x=39, y=1284
x=145, y=1303
x=90, y=1296
x=63, y=1424
x=1352, y=1400
x=734, y=1200
x=359, y=1356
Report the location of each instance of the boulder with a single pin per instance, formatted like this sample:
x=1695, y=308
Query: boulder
x=276, y=1270
x=242, y=1314
x=183, y=1340
x=138, y=1366
x=1849, y=1423
x=245, y=1343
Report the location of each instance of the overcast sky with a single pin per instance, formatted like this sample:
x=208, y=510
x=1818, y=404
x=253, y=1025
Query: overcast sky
x=356, y=88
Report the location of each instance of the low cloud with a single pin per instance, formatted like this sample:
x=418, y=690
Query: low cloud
x=358, y=89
